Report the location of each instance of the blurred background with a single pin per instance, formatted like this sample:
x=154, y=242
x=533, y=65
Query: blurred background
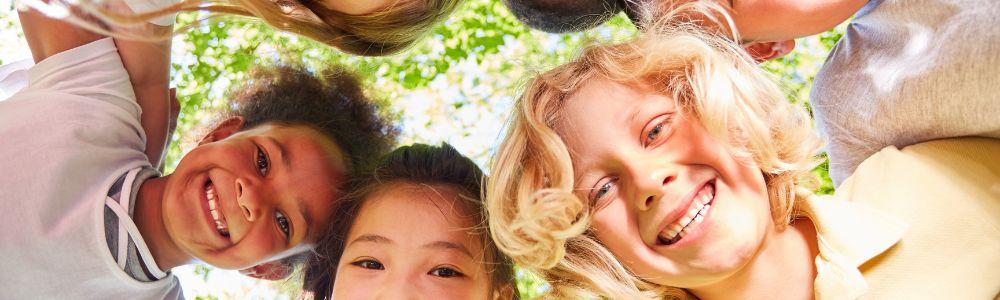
x=457, y=87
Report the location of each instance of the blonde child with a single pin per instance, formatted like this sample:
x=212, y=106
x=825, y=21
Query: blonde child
x=904, y=72
x=413, y=226
x=671, y=167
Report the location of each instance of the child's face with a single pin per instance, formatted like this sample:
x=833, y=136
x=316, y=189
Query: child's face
x=270, y=186
x=411, y=241
x=651, y=173
x=354, y=7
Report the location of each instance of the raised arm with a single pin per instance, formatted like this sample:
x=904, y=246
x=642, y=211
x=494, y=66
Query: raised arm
x=147, y=64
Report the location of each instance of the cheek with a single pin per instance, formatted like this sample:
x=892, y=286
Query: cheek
x=617, y=230
x=251, y=250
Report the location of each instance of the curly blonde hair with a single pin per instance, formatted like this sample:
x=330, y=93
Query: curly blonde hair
x=534, y=215
x=383, y=32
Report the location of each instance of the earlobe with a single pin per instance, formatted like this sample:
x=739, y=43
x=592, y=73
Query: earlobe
x=223, y=130
x=275, y=270
x=763, y=51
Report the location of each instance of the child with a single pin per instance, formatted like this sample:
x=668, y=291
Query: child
x=670, y=167
x=369, y=28
x=413, y=226
x=82, y=200
x=885, y=82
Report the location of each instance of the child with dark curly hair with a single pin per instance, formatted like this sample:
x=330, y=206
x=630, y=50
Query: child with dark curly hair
x=87, y=215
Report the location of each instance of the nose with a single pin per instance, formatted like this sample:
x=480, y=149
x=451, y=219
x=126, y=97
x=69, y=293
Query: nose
x=247, y=196
x=398, y=287
x=650, y=179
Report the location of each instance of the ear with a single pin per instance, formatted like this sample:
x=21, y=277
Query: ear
x=223, y=130
x=275, y=270
x=762, y=51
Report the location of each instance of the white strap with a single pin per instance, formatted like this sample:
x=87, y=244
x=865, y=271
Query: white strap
x=123, y=201
x=140, y=244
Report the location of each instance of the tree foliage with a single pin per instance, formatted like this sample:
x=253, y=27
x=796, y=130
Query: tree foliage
x=457, y=86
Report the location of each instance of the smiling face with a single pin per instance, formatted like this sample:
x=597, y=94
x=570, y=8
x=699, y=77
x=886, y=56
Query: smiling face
x=245, y=197
x=411, y=240
x=669, y=200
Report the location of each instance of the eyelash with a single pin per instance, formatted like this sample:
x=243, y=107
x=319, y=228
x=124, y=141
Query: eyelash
x=283, y=223
x=657, y=131
x=262, y=163
x=370, y=264
x=602, y=191
x=435, y=272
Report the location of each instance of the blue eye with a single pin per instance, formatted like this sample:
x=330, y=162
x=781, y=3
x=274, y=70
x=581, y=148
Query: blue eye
x=660, y=129
x=445, y=272
x=283, y=223
x=262, y=163
x=603, y=190
x=370, y=264
x=654, y=133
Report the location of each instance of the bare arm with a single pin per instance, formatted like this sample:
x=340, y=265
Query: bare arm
x=148, y=67
x=147, y=64
x=778, y=20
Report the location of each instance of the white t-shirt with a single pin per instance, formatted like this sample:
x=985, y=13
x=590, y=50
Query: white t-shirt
x=909, y=71
x=66, y=137
x=144, y=6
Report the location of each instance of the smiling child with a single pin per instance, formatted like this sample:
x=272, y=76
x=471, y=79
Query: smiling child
x=88, y=217
x=671, y=167
x=412, y=227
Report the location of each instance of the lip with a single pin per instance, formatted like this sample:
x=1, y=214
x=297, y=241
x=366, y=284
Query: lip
x=209, y=221
x=679, y=212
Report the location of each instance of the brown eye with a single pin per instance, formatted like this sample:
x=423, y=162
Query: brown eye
x=283, y=223
x=370, y=264
x=445, y=272
x=263, y=164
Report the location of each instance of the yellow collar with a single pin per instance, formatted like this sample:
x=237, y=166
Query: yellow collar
x=848, y=234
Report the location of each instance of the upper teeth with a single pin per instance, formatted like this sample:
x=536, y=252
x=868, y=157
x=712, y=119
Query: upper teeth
x=695, y=214
x=213, y=209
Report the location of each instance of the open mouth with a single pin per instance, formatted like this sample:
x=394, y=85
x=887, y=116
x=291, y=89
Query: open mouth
x=696, y=212
x=215, y=209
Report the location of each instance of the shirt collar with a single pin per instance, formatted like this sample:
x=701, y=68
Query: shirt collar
x=848, y=234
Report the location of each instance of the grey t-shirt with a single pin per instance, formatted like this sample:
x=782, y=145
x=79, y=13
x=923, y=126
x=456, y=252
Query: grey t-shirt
x=134, y=265
x=909, y=71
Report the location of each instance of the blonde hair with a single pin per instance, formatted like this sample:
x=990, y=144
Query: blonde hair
x=534, y=215
x=383, y=32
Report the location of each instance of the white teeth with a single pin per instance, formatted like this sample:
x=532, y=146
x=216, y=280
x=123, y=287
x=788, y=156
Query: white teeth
x=213, y=210
x=695, y=215
x=685, y=220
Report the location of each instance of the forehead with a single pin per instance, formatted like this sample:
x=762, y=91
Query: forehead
x=414, y=214
x=603, y=115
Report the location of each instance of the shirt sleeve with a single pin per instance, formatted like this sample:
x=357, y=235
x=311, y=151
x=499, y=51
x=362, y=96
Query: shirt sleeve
x=94, y=71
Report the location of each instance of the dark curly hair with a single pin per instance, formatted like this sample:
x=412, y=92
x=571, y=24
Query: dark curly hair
x=331, y=101
x=561, y=16
x=415, y=164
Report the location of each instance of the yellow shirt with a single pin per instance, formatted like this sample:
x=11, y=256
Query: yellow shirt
x=917, y=223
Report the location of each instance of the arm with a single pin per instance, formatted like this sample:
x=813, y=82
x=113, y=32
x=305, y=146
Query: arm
x=148, y=67
x=146, y=63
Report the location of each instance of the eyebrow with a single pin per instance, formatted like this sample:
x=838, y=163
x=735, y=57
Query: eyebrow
x=281, y=151
x=303, y=210
x=443, y=245
x=371, y=238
